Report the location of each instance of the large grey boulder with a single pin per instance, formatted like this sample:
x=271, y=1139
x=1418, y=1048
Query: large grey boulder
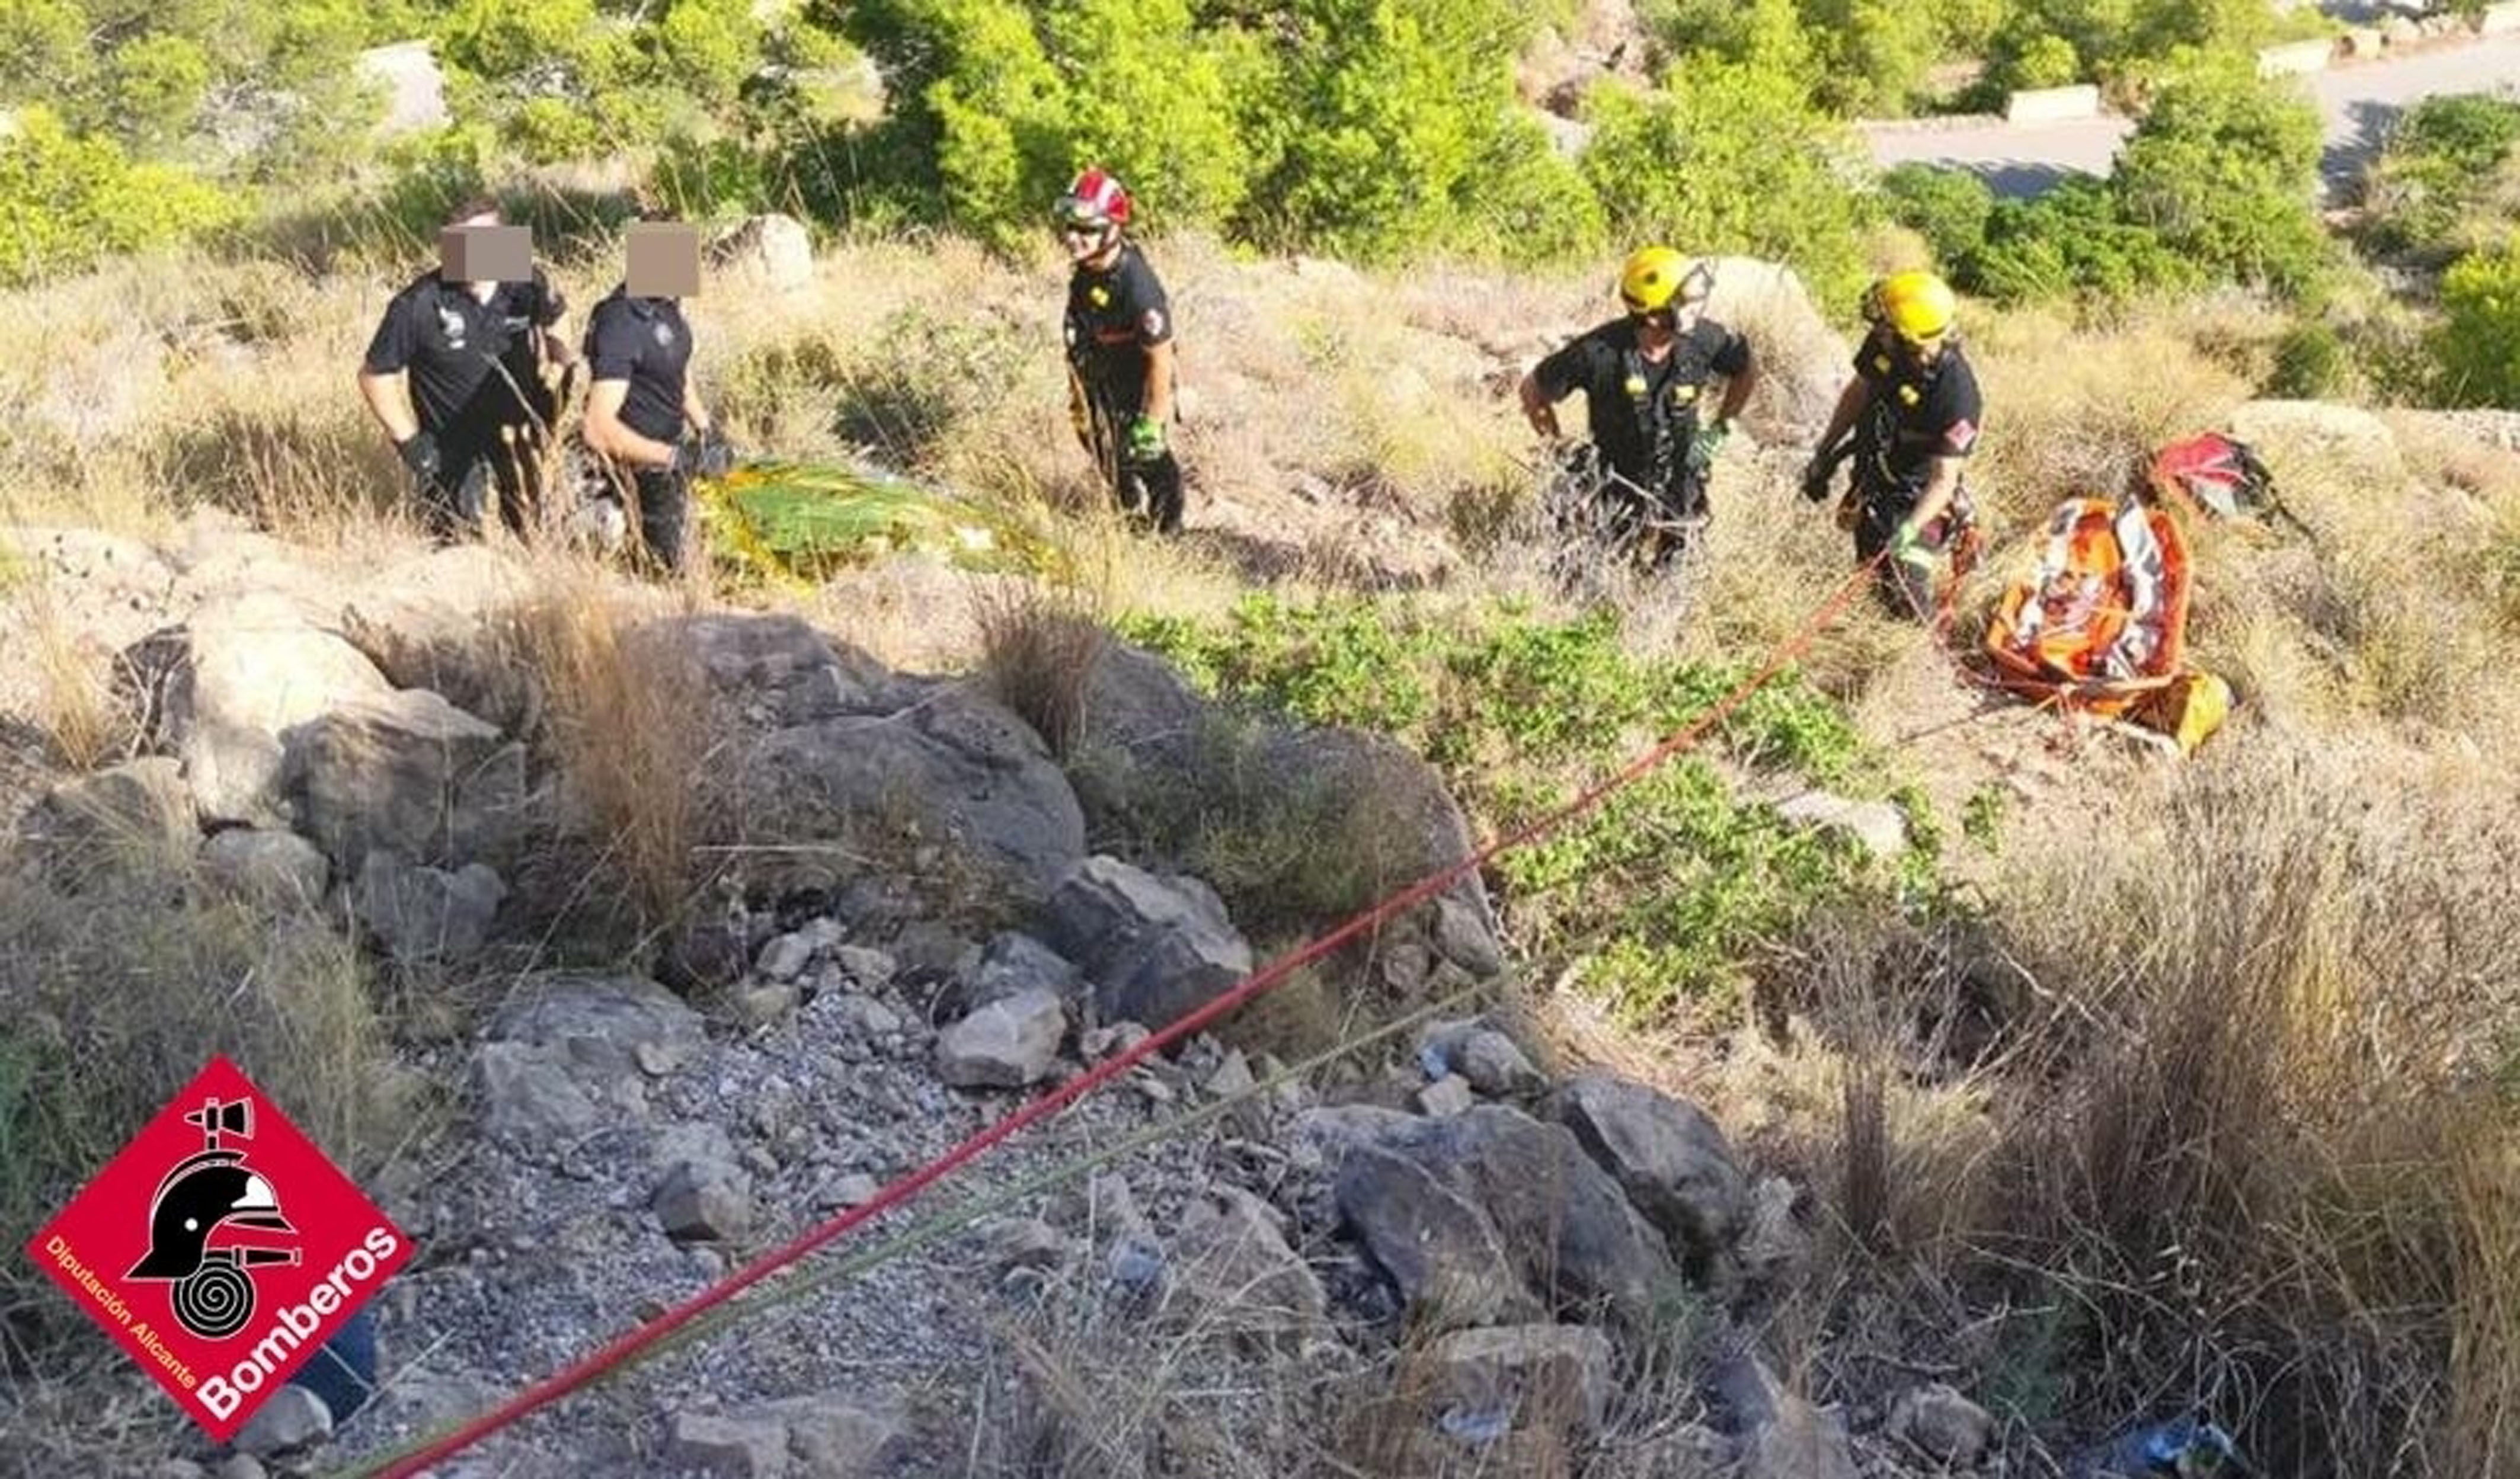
x=1153, y=751
x=1440, y=1248
x=769, y=251
x=1671, y=1158
x=423, y=914
x=1568, y=1227
x=1238, y=1275
x=256, y=667
x=949, y=773
x=443, y=621
x=1545, y=1376
x=409, y=772
x=613, y=1026
x=139, y=814
x=1156, y=949
x=1780, y=1435
x=770, y=672
x=272, y=870
x=528, y=1099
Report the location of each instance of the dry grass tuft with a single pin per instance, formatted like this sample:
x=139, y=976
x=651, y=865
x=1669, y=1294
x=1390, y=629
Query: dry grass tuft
x=627, y=716
x=1038, y=650
x=2229, y=1133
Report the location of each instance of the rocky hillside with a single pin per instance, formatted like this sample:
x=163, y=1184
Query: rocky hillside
x=1447, y=1255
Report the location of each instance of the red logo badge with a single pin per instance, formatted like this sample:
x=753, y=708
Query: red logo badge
x=220, y=1248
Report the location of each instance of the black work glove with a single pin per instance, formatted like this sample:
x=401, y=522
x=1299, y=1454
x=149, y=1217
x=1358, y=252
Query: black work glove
x=704, y=454
x=1818, y=476
x=419, y=452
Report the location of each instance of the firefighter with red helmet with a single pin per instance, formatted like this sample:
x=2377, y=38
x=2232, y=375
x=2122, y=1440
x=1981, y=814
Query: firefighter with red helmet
x=1120, y=334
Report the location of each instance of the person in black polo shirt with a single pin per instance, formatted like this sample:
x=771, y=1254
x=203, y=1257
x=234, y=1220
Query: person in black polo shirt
x=1916, y=412
x=455, y=374
x=643, y=414
x=1644, y=381
x=1120, y=332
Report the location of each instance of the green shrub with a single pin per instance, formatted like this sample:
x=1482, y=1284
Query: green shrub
x=2421, y=195
x=66, y=202
x=1947, y=208
x=1733, y=157
x=2312, y=362
x=1653, y=901
x=2224, y=169
x=2478, y=342
x=2072, y=241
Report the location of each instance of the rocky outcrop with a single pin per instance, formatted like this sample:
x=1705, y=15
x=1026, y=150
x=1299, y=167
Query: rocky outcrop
x=1154, y=949
x=1671, y=1159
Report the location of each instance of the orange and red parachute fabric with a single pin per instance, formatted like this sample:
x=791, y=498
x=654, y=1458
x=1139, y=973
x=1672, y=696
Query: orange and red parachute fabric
x=2099, y=621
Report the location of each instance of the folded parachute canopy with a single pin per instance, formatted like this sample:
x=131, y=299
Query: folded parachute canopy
x=2099, y=621
x=806, y=519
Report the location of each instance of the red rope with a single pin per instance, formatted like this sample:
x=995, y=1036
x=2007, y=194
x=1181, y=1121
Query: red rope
x=550, y=1389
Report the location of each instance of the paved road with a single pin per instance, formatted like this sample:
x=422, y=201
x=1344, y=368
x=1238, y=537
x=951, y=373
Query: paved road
x=2358, y=101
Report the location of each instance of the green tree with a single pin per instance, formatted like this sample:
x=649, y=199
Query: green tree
x=1947, y=208
x=2071, y=241
x=2224, y=169
x=1151, y=98
x=1733, y=157
x=2478, y=342
x=67, y=200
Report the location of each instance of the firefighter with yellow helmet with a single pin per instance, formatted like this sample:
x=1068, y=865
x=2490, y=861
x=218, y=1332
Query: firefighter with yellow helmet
x=1644, y=377
x=1914, y=412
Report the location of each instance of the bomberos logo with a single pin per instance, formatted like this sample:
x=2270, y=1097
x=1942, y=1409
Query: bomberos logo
x=220, y=1248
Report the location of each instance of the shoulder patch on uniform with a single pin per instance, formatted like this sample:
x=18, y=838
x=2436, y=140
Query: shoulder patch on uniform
x=1152, y=322
x=664, y=333
x=1961, y=435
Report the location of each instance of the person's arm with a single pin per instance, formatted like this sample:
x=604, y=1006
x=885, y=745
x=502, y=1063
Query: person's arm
x=1940, y=483
x=1740, y=381
x=1158, y=401
x=692, y=411
x=1537, y=408
x=610, y=436
x=388, y=398
x=1851, y=402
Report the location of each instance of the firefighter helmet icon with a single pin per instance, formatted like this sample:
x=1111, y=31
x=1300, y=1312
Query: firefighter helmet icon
x=203, y=1193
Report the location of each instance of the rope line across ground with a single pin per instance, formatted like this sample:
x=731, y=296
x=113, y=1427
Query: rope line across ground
x=639, y=1341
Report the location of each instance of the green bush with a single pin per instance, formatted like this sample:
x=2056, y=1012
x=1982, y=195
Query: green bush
x=2478, y=342
x=68, y=202
x=1947, y=208
x=1733, y=157
x=2224, y=169
x=1653, y=901
x=2423, y=193
x=2072, y=241
x=2312, y=362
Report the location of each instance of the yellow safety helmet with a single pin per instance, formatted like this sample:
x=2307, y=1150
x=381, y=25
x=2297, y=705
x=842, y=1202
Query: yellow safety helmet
x=1656, y=275
x=1915, y=304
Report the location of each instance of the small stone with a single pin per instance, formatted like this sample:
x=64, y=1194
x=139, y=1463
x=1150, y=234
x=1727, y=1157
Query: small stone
x=1233, y=1076
x=760, y=1162
x=868, y=967
x=1943, y=1424
x=867, y=1015
x=1151, y=1086
x=291, y=1419
x=654, y=1059
x=786, y=957
x=1495, y=1066
x=241, y=1466
x=855, y=1190
x=1026, y=1243
x=1004, y=1045
x=727, y=1448
x=760, y=1006
x=1111, y=1041
x=178, y=1468
x=704, y=1200
x=1447, y=1095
